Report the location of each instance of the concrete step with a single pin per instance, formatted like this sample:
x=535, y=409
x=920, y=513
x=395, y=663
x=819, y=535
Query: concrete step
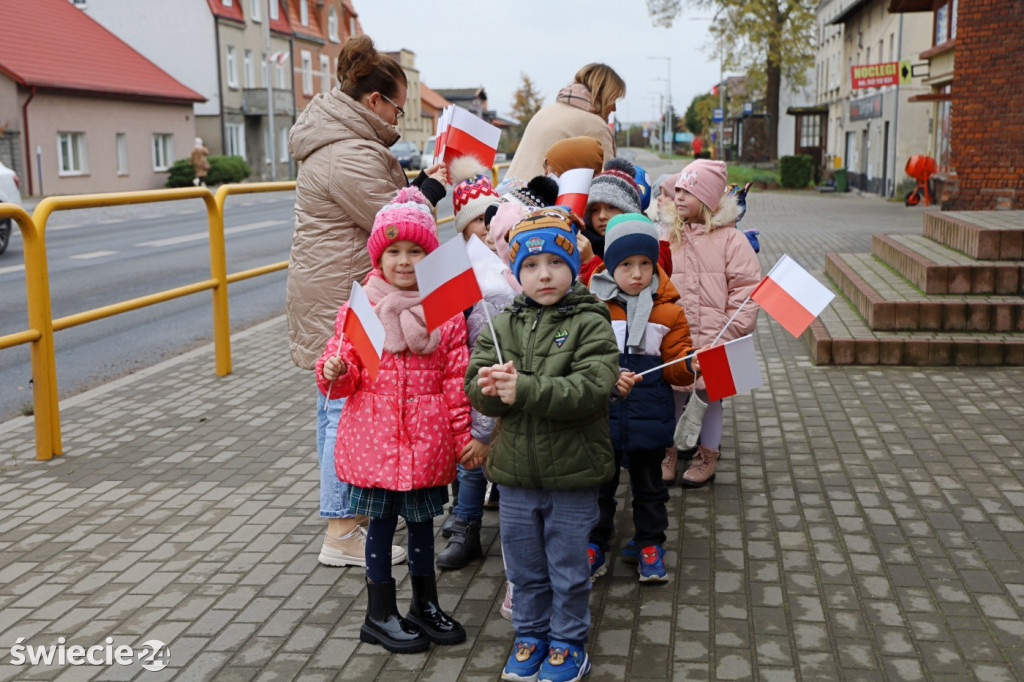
x=889, y=302
x=840, y=336
x=984, y=235
x=938, y=269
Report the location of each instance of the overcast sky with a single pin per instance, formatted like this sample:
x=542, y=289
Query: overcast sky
x=486, y=43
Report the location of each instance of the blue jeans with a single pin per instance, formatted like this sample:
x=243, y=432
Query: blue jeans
x=544, y=542
x=333, y=491
x=472, y=486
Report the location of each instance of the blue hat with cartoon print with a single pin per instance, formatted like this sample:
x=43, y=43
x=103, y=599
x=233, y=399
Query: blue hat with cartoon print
x=545, y=230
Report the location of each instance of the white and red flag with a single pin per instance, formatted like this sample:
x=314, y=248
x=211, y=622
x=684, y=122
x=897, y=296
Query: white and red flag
x=573, y=189
x=792, y=296
x=364, y=330
x=447, y=283
x=460, y=133
x=730, y=368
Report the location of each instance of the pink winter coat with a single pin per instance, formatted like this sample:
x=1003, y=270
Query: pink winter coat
x=406, y=429
x=714, y=272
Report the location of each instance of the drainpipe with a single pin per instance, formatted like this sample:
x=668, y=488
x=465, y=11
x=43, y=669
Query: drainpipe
x=896, y=111
x=220, y=86
x=28, y=144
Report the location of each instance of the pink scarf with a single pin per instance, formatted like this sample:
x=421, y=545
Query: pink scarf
x=401, y=313
x=577, y=95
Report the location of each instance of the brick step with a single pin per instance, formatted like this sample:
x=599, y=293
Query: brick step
x=888, y=301
x=984, y=235
x=840, y=336
x=938, y=269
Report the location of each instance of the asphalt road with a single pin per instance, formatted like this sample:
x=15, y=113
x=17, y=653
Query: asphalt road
x=105, y=255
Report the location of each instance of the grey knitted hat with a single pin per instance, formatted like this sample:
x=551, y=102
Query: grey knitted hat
x=616, y=187
x=630, y=234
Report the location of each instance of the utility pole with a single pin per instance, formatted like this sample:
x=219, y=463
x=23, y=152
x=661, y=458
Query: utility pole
x=667, y=144
x=272, y=152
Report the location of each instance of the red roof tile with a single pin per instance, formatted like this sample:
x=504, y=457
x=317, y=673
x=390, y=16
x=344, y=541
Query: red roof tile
x=234, y=11
x=280, y=24
x=53, y=44
x=313, y=28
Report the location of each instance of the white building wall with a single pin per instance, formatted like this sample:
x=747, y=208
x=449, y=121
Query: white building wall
x=792, y=96
x=178, y=36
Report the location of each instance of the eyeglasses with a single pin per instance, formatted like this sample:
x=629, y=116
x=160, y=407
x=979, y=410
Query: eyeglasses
x=400, y=110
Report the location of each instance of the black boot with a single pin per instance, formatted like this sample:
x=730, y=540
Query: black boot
x=426, y=613
x=463, y=546
x=384, y=626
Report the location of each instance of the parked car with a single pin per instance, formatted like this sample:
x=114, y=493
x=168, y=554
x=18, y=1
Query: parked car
x=407, y=154
x=428, y=152
x=11, y=194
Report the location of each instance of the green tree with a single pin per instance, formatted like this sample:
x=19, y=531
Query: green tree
x=526, y=101
x=766, y=39
x=699, y=114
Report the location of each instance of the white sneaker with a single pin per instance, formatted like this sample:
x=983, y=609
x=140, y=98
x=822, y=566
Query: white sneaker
x=350, y=550
x=506, y=604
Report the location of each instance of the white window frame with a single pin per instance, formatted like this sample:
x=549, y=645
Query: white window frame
x=121, y=153
x=351, y=26
x=264, y=70
x=267, y=147
x=282, y=135
x=234, y=139
x=255, y=11
x=250, y=72
x=332, y=25
x=325, y=73
x=231, y=61
x=304, y=12
x=307, y=73
x=72, y=158
x=282, y=74
x=275, y=13
x=163, y=151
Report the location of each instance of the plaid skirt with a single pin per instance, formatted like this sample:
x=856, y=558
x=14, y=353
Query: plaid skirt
x=417, y=505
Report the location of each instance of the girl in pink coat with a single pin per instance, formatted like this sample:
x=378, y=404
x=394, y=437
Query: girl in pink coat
x=714, y=270
x=400, y=434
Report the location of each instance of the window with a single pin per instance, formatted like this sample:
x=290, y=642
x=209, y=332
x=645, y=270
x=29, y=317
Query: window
x=307, y=73
x=268, y=146
x=264, y=68
x=945, y=20
x=275, y=13
x=255, y=10
x=325, y=73
x=250, y=70
x=234, y=140
x=282, y=73
x=232, y=67
x=332, y=25
x=226, y=3
x=71, y=149
x=163, y=151
x=121, y=149
x=351, y=26
x=282, y=136
x=304, y=12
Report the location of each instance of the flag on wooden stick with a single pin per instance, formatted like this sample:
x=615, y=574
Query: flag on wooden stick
x=447, y=283
x=574, y=188
x=792, y=296
x=730, y=368
x=364, y=330
x=460, y=133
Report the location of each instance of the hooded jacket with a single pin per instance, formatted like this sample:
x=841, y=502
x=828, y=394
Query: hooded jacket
x=556, y=434
x=347, y=175
x=646, y=419
x=715, y=269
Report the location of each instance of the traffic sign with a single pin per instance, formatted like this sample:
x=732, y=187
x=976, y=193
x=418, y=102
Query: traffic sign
x=718, y=115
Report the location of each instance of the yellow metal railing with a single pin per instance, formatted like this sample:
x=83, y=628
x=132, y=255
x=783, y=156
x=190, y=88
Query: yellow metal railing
x=39, y=335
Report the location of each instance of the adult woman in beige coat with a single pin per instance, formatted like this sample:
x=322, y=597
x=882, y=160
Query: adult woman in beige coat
x=347, y=175
x=581, y=108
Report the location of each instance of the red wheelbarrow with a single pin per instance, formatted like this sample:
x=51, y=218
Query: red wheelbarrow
x=921, y=168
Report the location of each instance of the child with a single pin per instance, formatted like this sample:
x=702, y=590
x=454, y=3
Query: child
x=650, y=329
x=715, y=271
x=573, y=152
x=551, y=448
x=394, y=464
x=612, y=193
x=471, y=198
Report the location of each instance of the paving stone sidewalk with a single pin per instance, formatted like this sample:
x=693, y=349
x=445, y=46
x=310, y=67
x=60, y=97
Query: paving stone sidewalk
x=865, y=524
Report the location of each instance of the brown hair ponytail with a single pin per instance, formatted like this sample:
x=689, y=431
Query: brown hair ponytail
x=361, y=69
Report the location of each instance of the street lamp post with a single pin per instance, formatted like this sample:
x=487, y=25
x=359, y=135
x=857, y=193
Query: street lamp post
x=668, y=107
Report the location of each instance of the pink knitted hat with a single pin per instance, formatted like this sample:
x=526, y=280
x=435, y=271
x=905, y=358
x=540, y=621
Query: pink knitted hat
x=407, y=217
x=704, y=179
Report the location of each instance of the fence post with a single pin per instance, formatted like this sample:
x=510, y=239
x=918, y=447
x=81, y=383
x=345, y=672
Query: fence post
x=219, y=273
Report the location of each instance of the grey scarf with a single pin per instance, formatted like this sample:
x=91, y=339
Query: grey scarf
x=638, y=308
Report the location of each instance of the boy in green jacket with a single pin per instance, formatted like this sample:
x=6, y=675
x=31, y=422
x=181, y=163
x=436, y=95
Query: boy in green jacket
x=551, y=447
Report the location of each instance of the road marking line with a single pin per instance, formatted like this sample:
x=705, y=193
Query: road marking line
x=93, y=254
x=12, y=268
x=197, y=236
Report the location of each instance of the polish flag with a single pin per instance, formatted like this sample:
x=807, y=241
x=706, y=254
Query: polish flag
x=730, y=368
x=573, y=189
x=792, y=296
x=460, y=133
x=363, y=329
x=447, y=282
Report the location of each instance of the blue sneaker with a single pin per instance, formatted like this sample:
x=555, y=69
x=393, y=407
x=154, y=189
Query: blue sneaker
x=652, y=565
x=597, y=565
x=631, y=552
x=565, y=663
x=524, y=663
